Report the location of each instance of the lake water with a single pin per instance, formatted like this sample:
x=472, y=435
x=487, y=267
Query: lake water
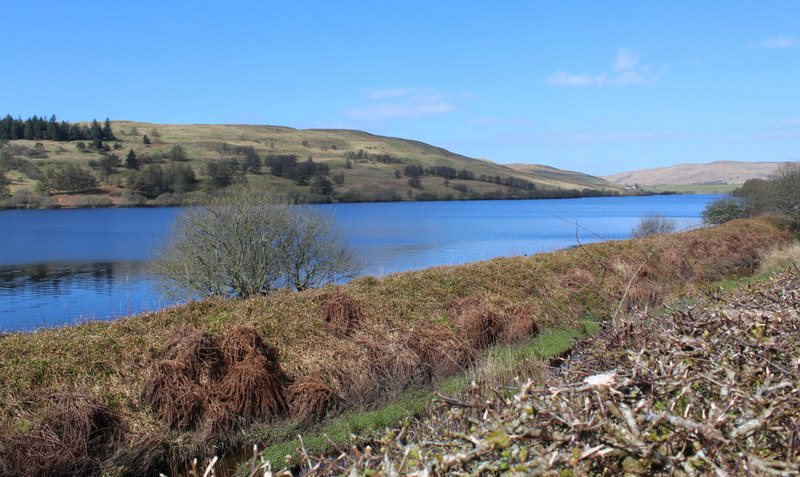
x=66, y=266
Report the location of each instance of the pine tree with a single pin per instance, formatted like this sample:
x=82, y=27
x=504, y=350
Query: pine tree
x=96, y=132
x=108, y=134
x=131, y=162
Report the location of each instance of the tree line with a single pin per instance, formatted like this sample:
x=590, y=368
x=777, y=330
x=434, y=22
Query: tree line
x=36, y=128
x=780, y=194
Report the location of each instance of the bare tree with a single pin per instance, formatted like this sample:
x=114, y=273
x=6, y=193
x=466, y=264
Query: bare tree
x=786, y=179
x=653, y=224
x=248, y=242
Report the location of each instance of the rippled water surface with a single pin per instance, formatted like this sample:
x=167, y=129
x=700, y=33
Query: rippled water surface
x=67, y=266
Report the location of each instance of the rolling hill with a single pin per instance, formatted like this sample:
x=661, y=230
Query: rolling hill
x=323, y=165
x=714, y=173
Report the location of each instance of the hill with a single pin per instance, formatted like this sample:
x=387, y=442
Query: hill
x=714, y=173
x=318, y=165
x=560, y=175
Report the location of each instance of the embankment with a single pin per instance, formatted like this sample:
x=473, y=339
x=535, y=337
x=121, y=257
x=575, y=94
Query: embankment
x=149, y=391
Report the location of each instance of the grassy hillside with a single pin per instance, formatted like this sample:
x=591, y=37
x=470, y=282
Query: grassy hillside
x=360, y=167
x=560, y=175
x=147, y=391
x=710, y=177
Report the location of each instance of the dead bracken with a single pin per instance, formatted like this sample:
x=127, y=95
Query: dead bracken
x=191, y=380
x=708, y=388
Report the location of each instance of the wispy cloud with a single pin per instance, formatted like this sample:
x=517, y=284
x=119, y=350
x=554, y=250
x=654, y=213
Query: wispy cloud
x=562, y=79
x=777, y=42
x=389, y=93
x=625, y=60
x=629, y=78
x=407, y=103
x=624, y=63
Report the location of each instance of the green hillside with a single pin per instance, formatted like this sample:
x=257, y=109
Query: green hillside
x=317, y=165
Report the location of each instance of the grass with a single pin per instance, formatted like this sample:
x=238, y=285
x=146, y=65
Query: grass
x=202, y=144
x=384, y=356
x=497, y=365
x=692, y=189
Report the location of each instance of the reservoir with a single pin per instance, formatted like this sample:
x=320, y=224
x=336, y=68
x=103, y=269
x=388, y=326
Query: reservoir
x=67, y=266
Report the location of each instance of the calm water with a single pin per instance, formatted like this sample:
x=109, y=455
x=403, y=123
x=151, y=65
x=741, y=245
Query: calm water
x=67, y=266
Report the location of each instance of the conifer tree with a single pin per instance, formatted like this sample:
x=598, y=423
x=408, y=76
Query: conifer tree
x=108, y=134
x=131, y=162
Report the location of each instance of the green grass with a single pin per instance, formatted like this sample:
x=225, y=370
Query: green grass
x=498, y=364
x=693, y=189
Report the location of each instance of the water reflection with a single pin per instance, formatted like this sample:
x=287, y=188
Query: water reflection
x=50, y=294
x=62, y=266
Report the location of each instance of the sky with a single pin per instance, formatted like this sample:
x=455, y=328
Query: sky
x=595, y=87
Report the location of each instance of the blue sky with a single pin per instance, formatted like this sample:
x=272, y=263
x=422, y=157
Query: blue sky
x=596, y=87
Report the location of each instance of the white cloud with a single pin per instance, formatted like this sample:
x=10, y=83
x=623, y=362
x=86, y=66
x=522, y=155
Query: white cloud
x=778, y=42
x=389, y=93
x=405, y=103
x=562, y=79
x=624, y=63
x=414, y=106
x=625, y=60
x=629, y=78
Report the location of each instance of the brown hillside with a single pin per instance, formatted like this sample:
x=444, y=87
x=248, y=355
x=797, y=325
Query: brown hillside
x=720, y=172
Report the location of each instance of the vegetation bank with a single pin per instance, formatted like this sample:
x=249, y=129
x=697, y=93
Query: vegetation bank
x=149, y=392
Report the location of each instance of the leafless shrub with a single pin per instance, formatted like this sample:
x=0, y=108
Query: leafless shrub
x=653, y=224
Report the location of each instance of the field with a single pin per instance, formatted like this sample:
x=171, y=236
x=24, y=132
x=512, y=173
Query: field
x=152, y=391
x=692, y=189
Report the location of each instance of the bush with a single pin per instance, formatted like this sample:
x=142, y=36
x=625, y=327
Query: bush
x=787, y=190
x=247, y=242
x=652, y=225
x=72, y=179
x=724, y=210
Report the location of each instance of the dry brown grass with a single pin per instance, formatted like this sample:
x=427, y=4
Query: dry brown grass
x=76, y=434
x=781, y=256
x=392, y=361
x=341, y=314
x=441, y=351
x=476, y=321
x=311, y=399
x=176, y=384
x=519, y=324
x=408, y=332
